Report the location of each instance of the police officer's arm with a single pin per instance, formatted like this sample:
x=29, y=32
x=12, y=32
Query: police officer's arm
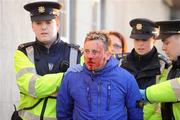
x=168, y=91
x=31, y=83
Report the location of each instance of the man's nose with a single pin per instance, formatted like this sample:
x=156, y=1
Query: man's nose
x=43, y=26
x=90, y=55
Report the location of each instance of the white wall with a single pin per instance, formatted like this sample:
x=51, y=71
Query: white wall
x=83, y=20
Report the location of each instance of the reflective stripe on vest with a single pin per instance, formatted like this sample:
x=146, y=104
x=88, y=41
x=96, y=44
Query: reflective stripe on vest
x=161, y=78
x=24, y=71
x=73, y=56
x=176, y=88
x=162, y=64
x=32, y=83
x=30, y=53
x=29, y=116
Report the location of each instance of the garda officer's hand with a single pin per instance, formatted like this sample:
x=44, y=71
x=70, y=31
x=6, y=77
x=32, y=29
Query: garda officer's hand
x=143, y=94
x=75, y=68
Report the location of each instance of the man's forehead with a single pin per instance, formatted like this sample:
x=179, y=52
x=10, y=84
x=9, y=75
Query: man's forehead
x=93, y=46
x=93, y=43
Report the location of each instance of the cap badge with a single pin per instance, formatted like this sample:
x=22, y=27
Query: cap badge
x=55, y=11
x=139, y=26
x=156, y=32
x=41, y=9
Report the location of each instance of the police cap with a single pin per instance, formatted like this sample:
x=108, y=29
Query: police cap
x=168, y=28
x=43, y=10
x=143, y=29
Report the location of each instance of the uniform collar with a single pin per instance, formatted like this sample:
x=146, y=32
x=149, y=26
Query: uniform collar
x=176, y=64
x=143, y=58
x=134, y=66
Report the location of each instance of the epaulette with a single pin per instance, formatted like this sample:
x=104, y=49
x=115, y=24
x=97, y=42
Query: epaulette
x=164, y=59
x=77, y=47
x=120, y=56
x=24, y=45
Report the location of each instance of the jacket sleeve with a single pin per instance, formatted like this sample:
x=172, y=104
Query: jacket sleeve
x=65, y=102
x=133, y=96
x=29, y=82
x=168, y=91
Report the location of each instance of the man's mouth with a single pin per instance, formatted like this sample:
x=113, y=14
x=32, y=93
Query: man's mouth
x=90, y=63
x=44, y=33
x=141, y=49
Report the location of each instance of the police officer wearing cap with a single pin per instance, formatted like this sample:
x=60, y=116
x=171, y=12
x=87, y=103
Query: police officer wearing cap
x=144, y=61
x=40, y=65
x=168, y=92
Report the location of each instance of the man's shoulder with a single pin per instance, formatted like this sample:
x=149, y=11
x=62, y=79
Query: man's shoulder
x=123, y=72
x=25, y=45
x=122, y=76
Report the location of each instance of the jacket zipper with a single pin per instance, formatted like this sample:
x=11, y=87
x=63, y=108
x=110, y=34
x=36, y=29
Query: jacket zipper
x=108, y=96
x=99, y=99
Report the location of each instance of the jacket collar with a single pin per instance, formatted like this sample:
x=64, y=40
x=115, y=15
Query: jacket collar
x=176, y=64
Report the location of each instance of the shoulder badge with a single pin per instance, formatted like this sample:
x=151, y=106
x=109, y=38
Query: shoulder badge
x=75, y=46
x=24, y=45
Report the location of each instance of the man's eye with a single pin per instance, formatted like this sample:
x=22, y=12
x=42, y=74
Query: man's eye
x=86, y=51
x=38, y=23
x=48, y=22
x=166, y=43
x=94, y=52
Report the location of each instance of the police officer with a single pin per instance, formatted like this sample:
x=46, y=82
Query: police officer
x=144, y=61
x=168, y=92
x=39, y=65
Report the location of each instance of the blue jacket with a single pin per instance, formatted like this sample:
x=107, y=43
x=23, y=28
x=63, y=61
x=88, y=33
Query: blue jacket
x=108, y=94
